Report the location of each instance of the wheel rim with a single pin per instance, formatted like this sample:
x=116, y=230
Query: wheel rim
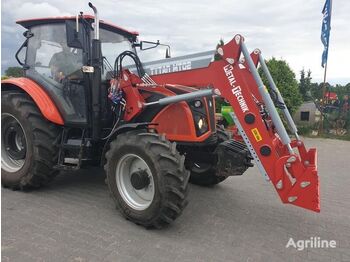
x=138, y=196
x=13, y=143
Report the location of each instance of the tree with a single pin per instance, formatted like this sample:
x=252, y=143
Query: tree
x=316, y=90
x=285, y=80
x=302, y=87
x=341, y=90
x=219, y=101
x=308, y=86
x=217, y=56
x=14, y=71
x=305, y=85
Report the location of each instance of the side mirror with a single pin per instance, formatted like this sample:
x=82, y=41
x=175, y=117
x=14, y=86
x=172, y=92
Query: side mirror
x=74, y=35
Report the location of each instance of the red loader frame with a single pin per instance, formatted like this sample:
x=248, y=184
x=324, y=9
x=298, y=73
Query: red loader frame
x=290, y=167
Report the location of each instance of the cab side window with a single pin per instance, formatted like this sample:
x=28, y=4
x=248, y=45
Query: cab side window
x=51, y=57
x=57, y=68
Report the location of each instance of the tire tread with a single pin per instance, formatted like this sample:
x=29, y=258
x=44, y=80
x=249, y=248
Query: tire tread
x=45, y=151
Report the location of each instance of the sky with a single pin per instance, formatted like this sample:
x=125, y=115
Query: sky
x=283, y=29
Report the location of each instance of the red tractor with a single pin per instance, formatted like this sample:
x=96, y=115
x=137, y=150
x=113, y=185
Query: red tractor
x=153, y=134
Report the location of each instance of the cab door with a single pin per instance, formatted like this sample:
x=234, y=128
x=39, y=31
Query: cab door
x=56, y=66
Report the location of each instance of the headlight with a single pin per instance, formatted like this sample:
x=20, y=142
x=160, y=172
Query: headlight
x=200, y=118
x=202, y=124
x=197, y=103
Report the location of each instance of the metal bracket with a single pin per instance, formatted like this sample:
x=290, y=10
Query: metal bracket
x=88, y=69
x=250, y=146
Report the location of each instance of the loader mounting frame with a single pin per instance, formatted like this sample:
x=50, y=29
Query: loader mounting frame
x=291, y=168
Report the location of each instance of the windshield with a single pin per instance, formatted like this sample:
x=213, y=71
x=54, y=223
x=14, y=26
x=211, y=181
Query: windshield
x=112, y=44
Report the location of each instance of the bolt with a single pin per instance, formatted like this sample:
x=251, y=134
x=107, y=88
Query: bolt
x=237, y=38
x=230, y=60
x=288, y=164
x=292, y=199
x=217, y=92
x=279, y=184
x=291, y=159
x=220, y=51
x=306, y=163
x=305, y=184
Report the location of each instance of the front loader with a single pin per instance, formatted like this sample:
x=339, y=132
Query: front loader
x=80, y=104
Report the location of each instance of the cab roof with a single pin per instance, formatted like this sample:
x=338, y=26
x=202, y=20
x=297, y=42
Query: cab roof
x=28, y=23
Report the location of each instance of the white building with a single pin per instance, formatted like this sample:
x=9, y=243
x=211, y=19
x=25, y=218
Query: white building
x=307, y=114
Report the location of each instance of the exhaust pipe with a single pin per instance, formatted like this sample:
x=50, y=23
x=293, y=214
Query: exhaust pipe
x=96, y=62
x=97, y=21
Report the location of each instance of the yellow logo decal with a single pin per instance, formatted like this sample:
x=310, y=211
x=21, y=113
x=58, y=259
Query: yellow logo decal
x=256, y=134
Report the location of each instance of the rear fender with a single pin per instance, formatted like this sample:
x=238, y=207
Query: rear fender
x=38, y=94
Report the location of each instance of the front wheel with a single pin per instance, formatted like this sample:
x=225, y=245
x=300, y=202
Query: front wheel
x=147, y=178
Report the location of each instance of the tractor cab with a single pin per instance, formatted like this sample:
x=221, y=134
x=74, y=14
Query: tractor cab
x=59, y=58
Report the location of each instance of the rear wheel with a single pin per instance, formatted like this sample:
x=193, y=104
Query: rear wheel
x=203, y=169
x=147, y=178
x=28, y=143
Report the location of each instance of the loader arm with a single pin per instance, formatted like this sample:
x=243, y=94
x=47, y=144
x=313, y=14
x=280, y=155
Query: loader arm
x=291, y=168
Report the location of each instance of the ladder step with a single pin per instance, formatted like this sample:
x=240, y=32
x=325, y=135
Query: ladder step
x=68, y=164
x=71, y=152
x=70, y=147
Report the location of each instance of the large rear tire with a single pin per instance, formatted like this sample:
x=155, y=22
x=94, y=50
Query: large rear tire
x=28, y=143
x=147, y=178
x=204, y=173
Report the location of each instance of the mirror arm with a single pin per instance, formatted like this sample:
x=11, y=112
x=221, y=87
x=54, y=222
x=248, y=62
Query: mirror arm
x=19, y=50
x=156, y=44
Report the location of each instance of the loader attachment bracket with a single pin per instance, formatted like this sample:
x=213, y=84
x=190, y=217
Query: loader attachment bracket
x=290, y=167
